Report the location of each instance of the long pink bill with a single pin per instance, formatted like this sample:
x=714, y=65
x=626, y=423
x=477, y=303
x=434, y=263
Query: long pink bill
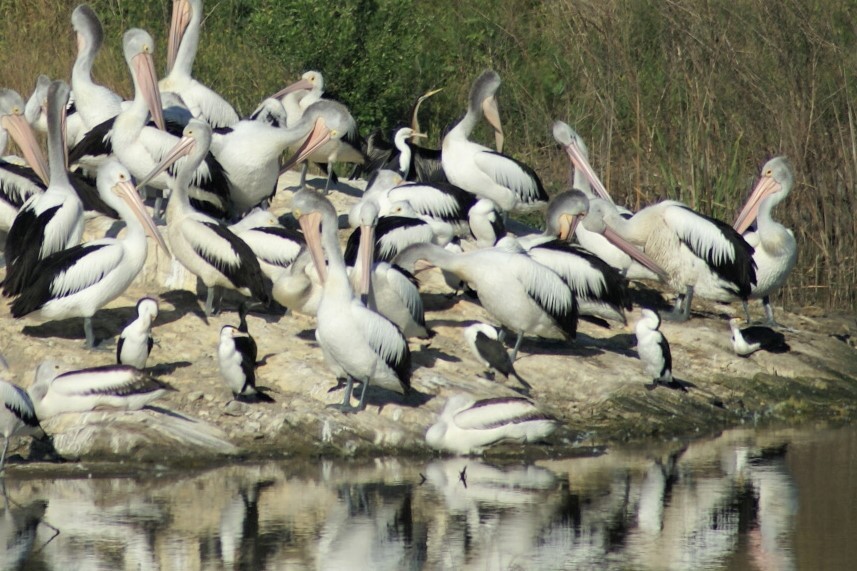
x=491, y=110
x=296, y=86
x=320, y=135
x=128, y=193
x=634, y=252
x=178, y=25
x=568, y=225
x=147, y=82
x=765, y=187
x=181, y=149
x=23, y=136
x=365, y=257
x=311, y=227
x=581, y=163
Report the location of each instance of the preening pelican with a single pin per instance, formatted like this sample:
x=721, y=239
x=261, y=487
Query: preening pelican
x=653, y=348
x=517, y=291
x=467, y=425
x=748, y=340
x=488, y=174
x=204, y=103
x=299, y=287
x=58, y=390
x=17, y=415
x=78, y=281
x=50, y=221
x=357, y=342
x=486, y=223
x=775, y=248
x=203, y=245
x=135, y=342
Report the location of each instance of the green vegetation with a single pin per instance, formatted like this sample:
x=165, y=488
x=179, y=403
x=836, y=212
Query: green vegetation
x=680, y=99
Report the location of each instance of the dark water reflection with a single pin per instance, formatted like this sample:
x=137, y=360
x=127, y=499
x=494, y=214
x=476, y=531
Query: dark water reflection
x=772, y=500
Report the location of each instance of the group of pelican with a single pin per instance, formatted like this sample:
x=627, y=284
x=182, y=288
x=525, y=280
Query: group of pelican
x=421, y=206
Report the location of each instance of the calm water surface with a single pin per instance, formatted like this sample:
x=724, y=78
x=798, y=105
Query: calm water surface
x=769, y=500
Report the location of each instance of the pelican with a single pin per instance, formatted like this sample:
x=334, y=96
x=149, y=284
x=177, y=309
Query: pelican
x=485, y=344
x=520, y=293
x=50, y=221
x=357, y=342
x=585, y=180
x=392, y=235
x=275, y=246
x=653, y=348
x=57, y=390
x=486, y=223
x=203, y=102
x=467, y=425
x=135, y=342
x=272, y=112
x=748, y=340
x=78, y=281
x=13, y=123
x=236, y=354
x=203, y=245
x=488, y=174
x=17, y=181
x=695, y=254
x=17, y=416
x=299, y=288
x=775, y=248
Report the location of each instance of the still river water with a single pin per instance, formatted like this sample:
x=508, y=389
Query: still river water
x=780, y=500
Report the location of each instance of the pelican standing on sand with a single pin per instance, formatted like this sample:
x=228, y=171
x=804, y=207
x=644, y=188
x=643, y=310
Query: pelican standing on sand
x=775, y=248
x=78, y=281
x=357, y=342
x=203, y=245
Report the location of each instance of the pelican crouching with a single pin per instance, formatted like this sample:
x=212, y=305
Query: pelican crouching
x=467, y=425
x=119, y=387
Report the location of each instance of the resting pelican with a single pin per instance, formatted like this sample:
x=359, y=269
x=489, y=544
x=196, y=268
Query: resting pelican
x=517, y=291
x=477, y=169
x=467, y=425
x=357, y=342
x=775, y=248
x=17, y=416
x=299, y=288
x=58, y=390
x=204, y=103
x=78, y=281
x=203, y=245
x=47, y=222
x=696, y=254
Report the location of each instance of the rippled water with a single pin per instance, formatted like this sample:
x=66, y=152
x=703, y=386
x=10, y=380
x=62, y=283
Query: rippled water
x=773, y=500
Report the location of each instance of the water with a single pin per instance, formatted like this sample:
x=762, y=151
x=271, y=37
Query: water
x=772, y=500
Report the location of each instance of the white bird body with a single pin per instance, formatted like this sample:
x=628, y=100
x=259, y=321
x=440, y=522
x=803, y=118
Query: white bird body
x=236, y=355
x=653, y=348
x=299, y=287
x=135, y=342
x=467, y=426
x=748, y=340
x=275, y=246
x=120, y=387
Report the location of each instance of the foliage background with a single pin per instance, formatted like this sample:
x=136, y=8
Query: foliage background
x=676, y=98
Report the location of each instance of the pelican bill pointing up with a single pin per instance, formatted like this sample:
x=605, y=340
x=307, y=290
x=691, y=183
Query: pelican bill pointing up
x=50, y=221
x=202, y=244
x=488, y=174
x=78, y=281
x=775, y=248
x=357, y=342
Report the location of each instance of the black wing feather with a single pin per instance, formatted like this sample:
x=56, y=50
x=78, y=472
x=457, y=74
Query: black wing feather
x=494, y=352
x=95, y=143
x=668, y=358
x=248, y=273
x=23, y=244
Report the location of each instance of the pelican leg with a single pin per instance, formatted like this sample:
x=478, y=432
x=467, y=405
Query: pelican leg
x=87, y=331
x=304, y=169
x=746, y=307
x=517, y=346
x=329, y=178
x=3, y=456
x=362, y=404
x=681, y=312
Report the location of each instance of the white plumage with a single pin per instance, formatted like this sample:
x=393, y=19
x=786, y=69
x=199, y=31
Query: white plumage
x=135, y=342
x=653, y=348
x=17, y=415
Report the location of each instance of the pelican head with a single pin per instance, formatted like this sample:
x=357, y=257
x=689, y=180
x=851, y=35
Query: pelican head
x=565, y=212
x=777, y=179
x=38, y=101
x=116, y=188
x=483, y=100
x=194, y=144
x=578, y=153
x=12, y=120
x=310, y=208
x=309, y=80
x=90, y=34
x=139, y=50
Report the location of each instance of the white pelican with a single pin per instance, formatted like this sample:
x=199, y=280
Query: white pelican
x=775, y=246
x=387, y=289
x=275, y=246
x=17, y=181
x=236, y=354
x=299, y=287
x=653, y=348
x=486, y=223
x=467, y=425
x=203, y=245
x=135, y=342
x=520, y=293
x=50, y=221
x=204, y=103
x=357, y=342
x=272, y=112
x=748, y=340
x=14, y=123
x=94, y=103
x=78, y=281
x=585, y=180
x=392, y=235
x=477, y=169
x=485, y=344
x=57, y=390
x=698, y=254
x=17, y=416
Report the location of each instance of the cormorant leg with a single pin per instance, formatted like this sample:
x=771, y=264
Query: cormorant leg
x=517, y=346
x=746, y=307
x=209, y=302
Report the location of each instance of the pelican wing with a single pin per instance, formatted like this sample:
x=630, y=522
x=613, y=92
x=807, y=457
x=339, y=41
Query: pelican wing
x=426, y=165
x=273, y=244
x=213, y=109
x=18, y=183
x=18, y=402
x=492, y=413
x=118, y=380
x=392, y=235
x=407, y=288
x=546, y=289
x=386, y=340
x=512, y=174
x=438, y=200
x=97, y=142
